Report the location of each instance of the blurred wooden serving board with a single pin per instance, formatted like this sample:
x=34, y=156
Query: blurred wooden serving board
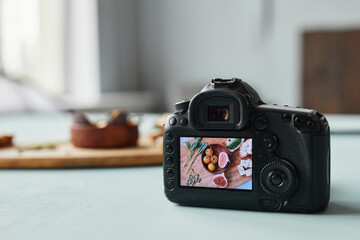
x=67, y=156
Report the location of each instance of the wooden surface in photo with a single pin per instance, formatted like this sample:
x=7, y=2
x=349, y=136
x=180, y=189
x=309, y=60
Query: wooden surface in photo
x=67, y=156
x=232, y=173
x=331, y=72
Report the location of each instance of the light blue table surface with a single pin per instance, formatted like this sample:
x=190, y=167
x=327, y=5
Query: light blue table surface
x=128, y=203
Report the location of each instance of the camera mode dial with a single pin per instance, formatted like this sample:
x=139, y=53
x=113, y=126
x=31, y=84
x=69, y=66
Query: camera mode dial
x=278, y=178
x=221, y=81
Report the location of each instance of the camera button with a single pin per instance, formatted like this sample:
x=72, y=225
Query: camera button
x=310, y=124
x=170, y=186
x=299, y=121
x=172, y=121
x=260, y=123
x=276, y=179
x=183, y=121
x=286, y=117
x=169, y=137
x=269, y=143
x=169, y=161
x=169, y=149
x=170, y=173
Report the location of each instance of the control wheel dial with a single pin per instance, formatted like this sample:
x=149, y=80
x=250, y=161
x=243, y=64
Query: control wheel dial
x=278, y=178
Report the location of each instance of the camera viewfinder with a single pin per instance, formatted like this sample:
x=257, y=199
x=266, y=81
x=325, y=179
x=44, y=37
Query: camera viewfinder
x=219, y=113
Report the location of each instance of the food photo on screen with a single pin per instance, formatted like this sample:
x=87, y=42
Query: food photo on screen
x=216, y=162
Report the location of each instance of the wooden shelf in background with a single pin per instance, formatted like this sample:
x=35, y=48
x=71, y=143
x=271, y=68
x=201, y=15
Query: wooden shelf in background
x=331, y=71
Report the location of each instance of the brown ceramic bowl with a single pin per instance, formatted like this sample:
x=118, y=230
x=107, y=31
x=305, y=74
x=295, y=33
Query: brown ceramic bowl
x=6, y=141
x=217, y=149
x=110, y=136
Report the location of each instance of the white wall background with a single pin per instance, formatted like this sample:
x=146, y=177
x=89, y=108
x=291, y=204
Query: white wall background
x=175, y=47
x=146, y=52
x=118, y=45
x=186, y=43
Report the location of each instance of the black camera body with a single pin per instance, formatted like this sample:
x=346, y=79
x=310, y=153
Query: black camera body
x=225, y=148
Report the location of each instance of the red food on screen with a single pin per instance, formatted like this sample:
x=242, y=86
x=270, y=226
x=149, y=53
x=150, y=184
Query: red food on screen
x=220, y=180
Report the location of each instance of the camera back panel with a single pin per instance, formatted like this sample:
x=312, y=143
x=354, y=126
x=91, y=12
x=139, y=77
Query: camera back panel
x=289, y=160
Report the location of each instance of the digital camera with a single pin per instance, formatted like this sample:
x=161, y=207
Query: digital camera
x=225, y=148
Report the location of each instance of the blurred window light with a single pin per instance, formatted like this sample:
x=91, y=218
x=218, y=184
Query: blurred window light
x=32, y=42
x=53, y=47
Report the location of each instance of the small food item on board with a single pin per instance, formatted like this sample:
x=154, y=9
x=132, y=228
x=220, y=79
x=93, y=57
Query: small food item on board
x=245, y=167
x=80, y=118
x=118, y=117
x=206, y=159
x=220, y=180
x=6, y=140
x=161, y=120
x=214, y=159
x=37, y=147
x=246, y=148
x=201, y=148
x=157, y=131
x=209, y=152
x=159, y=142
x=233, y=143
x=223, y=160
x=211, y=167
x=191, y=147
x=193, y=178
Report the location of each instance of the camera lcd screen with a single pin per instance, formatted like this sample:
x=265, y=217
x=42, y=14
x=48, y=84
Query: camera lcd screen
x=216, y=162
